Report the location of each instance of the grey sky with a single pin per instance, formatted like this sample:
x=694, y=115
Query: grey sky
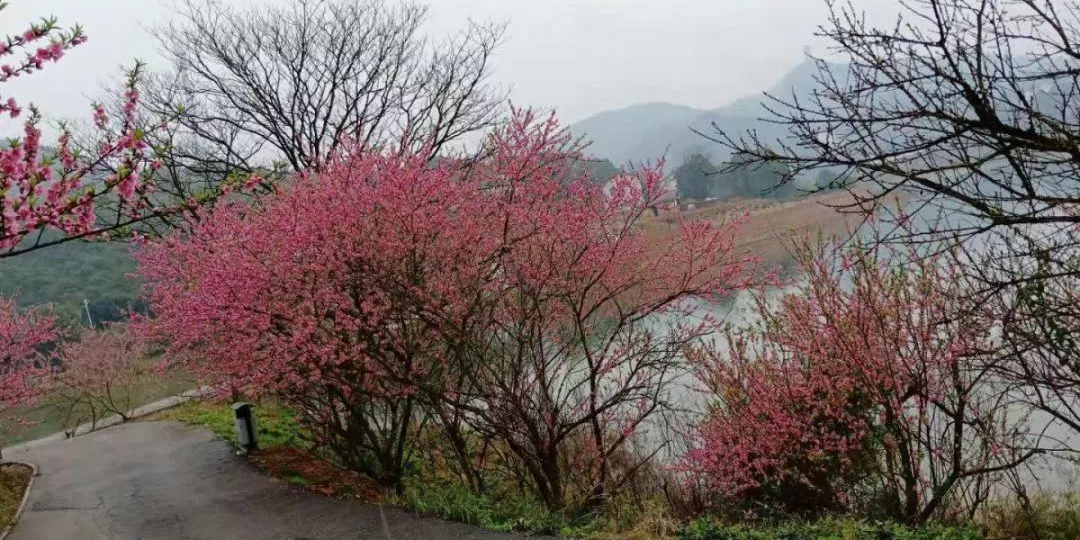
x=576, y=56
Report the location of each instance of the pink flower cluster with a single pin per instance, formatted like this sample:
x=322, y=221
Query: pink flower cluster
x=60, y=191
x=22, y=335
x=35, y=61
x=274, y=292
x=865, y=370
x=385, y=275
x=102, y=369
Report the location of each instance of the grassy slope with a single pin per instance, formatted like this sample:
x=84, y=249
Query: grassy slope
x=276, y=425
x=48, y=417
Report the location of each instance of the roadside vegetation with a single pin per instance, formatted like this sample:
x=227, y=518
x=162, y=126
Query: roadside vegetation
x=72, y=398
x=287, y=452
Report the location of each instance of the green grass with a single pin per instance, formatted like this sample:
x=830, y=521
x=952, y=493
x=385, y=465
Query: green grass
x=276, y=425
x=295, y=479
x=1048, y=516
x=511, y=509
x=826, y=529
x=502, y=512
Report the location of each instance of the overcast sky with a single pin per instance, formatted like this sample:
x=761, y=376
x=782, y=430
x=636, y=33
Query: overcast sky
x=579, y=57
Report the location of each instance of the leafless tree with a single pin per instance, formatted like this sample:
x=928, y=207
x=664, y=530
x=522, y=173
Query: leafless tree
x=969, y=110
x=288, y=83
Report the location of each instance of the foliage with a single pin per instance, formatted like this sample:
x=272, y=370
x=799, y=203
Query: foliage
x=507, y=511
x=826, y=529
x=870, y=377
x=276, y=425
x=624, y=517
x=63, y=276
x=104, y=372
x=698, y=179
x=1047, y=516
x=22, y=338
x=506, y=294
x=757, y=180
x=600, y=171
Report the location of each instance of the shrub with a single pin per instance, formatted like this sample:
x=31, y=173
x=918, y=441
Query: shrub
x=1042, y=517
x=868, y=383
x=828, y=529
x=23, y=335
x=104, y=372
x=504, y=297
x=507, y=511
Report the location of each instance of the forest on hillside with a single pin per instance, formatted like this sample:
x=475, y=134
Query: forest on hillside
x=699, y=179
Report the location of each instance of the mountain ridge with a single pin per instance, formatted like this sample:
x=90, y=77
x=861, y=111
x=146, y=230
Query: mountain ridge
x=649, y=131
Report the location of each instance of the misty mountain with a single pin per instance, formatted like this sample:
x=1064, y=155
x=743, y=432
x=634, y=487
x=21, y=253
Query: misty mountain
x=652, y=130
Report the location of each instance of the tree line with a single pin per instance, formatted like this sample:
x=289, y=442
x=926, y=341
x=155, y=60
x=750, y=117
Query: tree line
x=698, y=179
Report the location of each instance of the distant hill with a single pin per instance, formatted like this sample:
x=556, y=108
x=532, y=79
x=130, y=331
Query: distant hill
x=636, y=132
x=66, y=275
x=651, y=130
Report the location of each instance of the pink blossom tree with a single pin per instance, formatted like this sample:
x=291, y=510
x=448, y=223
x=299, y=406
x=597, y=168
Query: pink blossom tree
x=39, y=192
x=584, y=322
x=22, y=336
x=869, y=382
x=88, y=190
x=284, y=297
x=101, y=373
x=506, y=295
x=84, y=190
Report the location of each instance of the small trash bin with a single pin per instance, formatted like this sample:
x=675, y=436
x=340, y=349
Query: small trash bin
x=245, y=426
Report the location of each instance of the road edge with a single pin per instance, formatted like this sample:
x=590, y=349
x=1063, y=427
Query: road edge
x=110, y=421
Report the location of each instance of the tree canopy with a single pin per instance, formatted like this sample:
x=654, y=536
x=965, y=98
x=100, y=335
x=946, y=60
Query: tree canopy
x=697, y=179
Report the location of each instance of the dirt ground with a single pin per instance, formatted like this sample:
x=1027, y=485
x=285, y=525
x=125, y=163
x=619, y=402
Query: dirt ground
x=769, y=227
x=14, y=478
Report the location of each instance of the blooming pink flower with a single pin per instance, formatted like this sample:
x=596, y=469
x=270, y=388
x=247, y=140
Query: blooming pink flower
x=21, y=336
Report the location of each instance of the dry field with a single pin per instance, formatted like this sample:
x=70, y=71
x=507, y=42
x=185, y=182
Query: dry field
x=770, y=226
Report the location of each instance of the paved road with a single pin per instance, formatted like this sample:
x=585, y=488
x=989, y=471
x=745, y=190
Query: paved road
x=167, y=481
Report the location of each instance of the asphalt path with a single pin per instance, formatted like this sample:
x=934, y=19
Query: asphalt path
x=169, y=481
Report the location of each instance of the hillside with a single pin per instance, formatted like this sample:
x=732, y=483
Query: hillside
x=653, y=130
x=634, y=133
x=67, y=275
